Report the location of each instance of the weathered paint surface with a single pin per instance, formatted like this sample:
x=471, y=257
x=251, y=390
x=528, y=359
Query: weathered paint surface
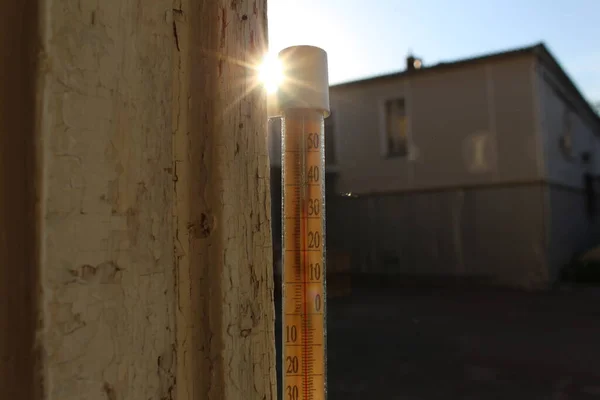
x=222, y=204
x=155, y=230
x=108, y=257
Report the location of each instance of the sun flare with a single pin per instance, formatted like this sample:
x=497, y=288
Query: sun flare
x=270, y=73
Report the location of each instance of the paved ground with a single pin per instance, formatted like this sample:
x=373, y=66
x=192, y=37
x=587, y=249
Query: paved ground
x=464, y=344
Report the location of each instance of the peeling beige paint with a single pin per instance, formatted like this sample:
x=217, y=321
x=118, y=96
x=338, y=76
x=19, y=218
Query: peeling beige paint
x=157, y=270
x=107, y=273
x=222, y=205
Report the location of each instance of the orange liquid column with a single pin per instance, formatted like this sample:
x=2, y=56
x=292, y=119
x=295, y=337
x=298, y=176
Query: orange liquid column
x=304, y=338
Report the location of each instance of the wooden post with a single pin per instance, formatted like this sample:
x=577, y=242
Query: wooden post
x=222, y=205
x=152, y=246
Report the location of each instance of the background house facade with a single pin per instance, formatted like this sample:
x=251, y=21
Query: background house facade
x=474, y=168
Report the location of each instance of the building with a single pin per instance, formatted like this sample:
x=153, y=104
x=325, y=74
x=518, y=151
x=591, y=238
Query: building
x=478, y=168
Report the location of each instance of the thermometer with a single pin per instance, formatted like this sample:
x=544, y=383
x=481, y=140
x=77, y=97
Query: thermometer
x=303, y=101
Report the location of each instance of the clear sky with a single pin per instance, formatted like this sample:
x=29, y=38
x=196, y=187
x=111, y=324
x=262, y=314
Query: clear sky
x=371, y=37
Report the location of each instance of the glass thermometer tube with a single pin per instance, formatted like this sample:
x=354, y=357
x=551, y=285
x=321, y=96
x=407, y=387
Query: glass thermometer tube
x=304, y=305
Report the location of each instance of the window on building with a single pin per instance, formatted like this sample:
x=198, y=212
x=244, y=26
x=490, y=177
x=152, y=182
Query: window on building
x=396, y=128
x=329, y=141
x=566, y=139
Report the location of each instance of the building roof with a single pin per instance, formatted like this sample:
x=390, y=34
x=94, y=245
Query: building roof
x=539, y=50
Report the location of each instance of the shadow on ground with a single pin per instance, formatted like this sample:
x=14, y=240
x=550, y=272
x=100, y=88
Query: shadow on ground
x=463, y=344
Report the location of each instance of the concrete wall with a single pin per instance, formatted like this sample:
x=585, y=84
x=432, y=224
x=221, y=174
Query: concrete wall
x=449, y=113
x=553, y=99
x=570, y=228
x=495, y=234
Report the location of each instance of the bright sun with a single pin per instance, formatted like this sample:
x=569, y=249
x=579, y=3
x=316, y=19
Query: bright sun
x=271, y=73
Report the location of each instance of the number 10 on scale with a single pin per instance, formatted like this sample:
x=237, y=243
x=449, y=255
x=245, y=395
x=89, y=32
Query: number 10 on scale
x=304, y=344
